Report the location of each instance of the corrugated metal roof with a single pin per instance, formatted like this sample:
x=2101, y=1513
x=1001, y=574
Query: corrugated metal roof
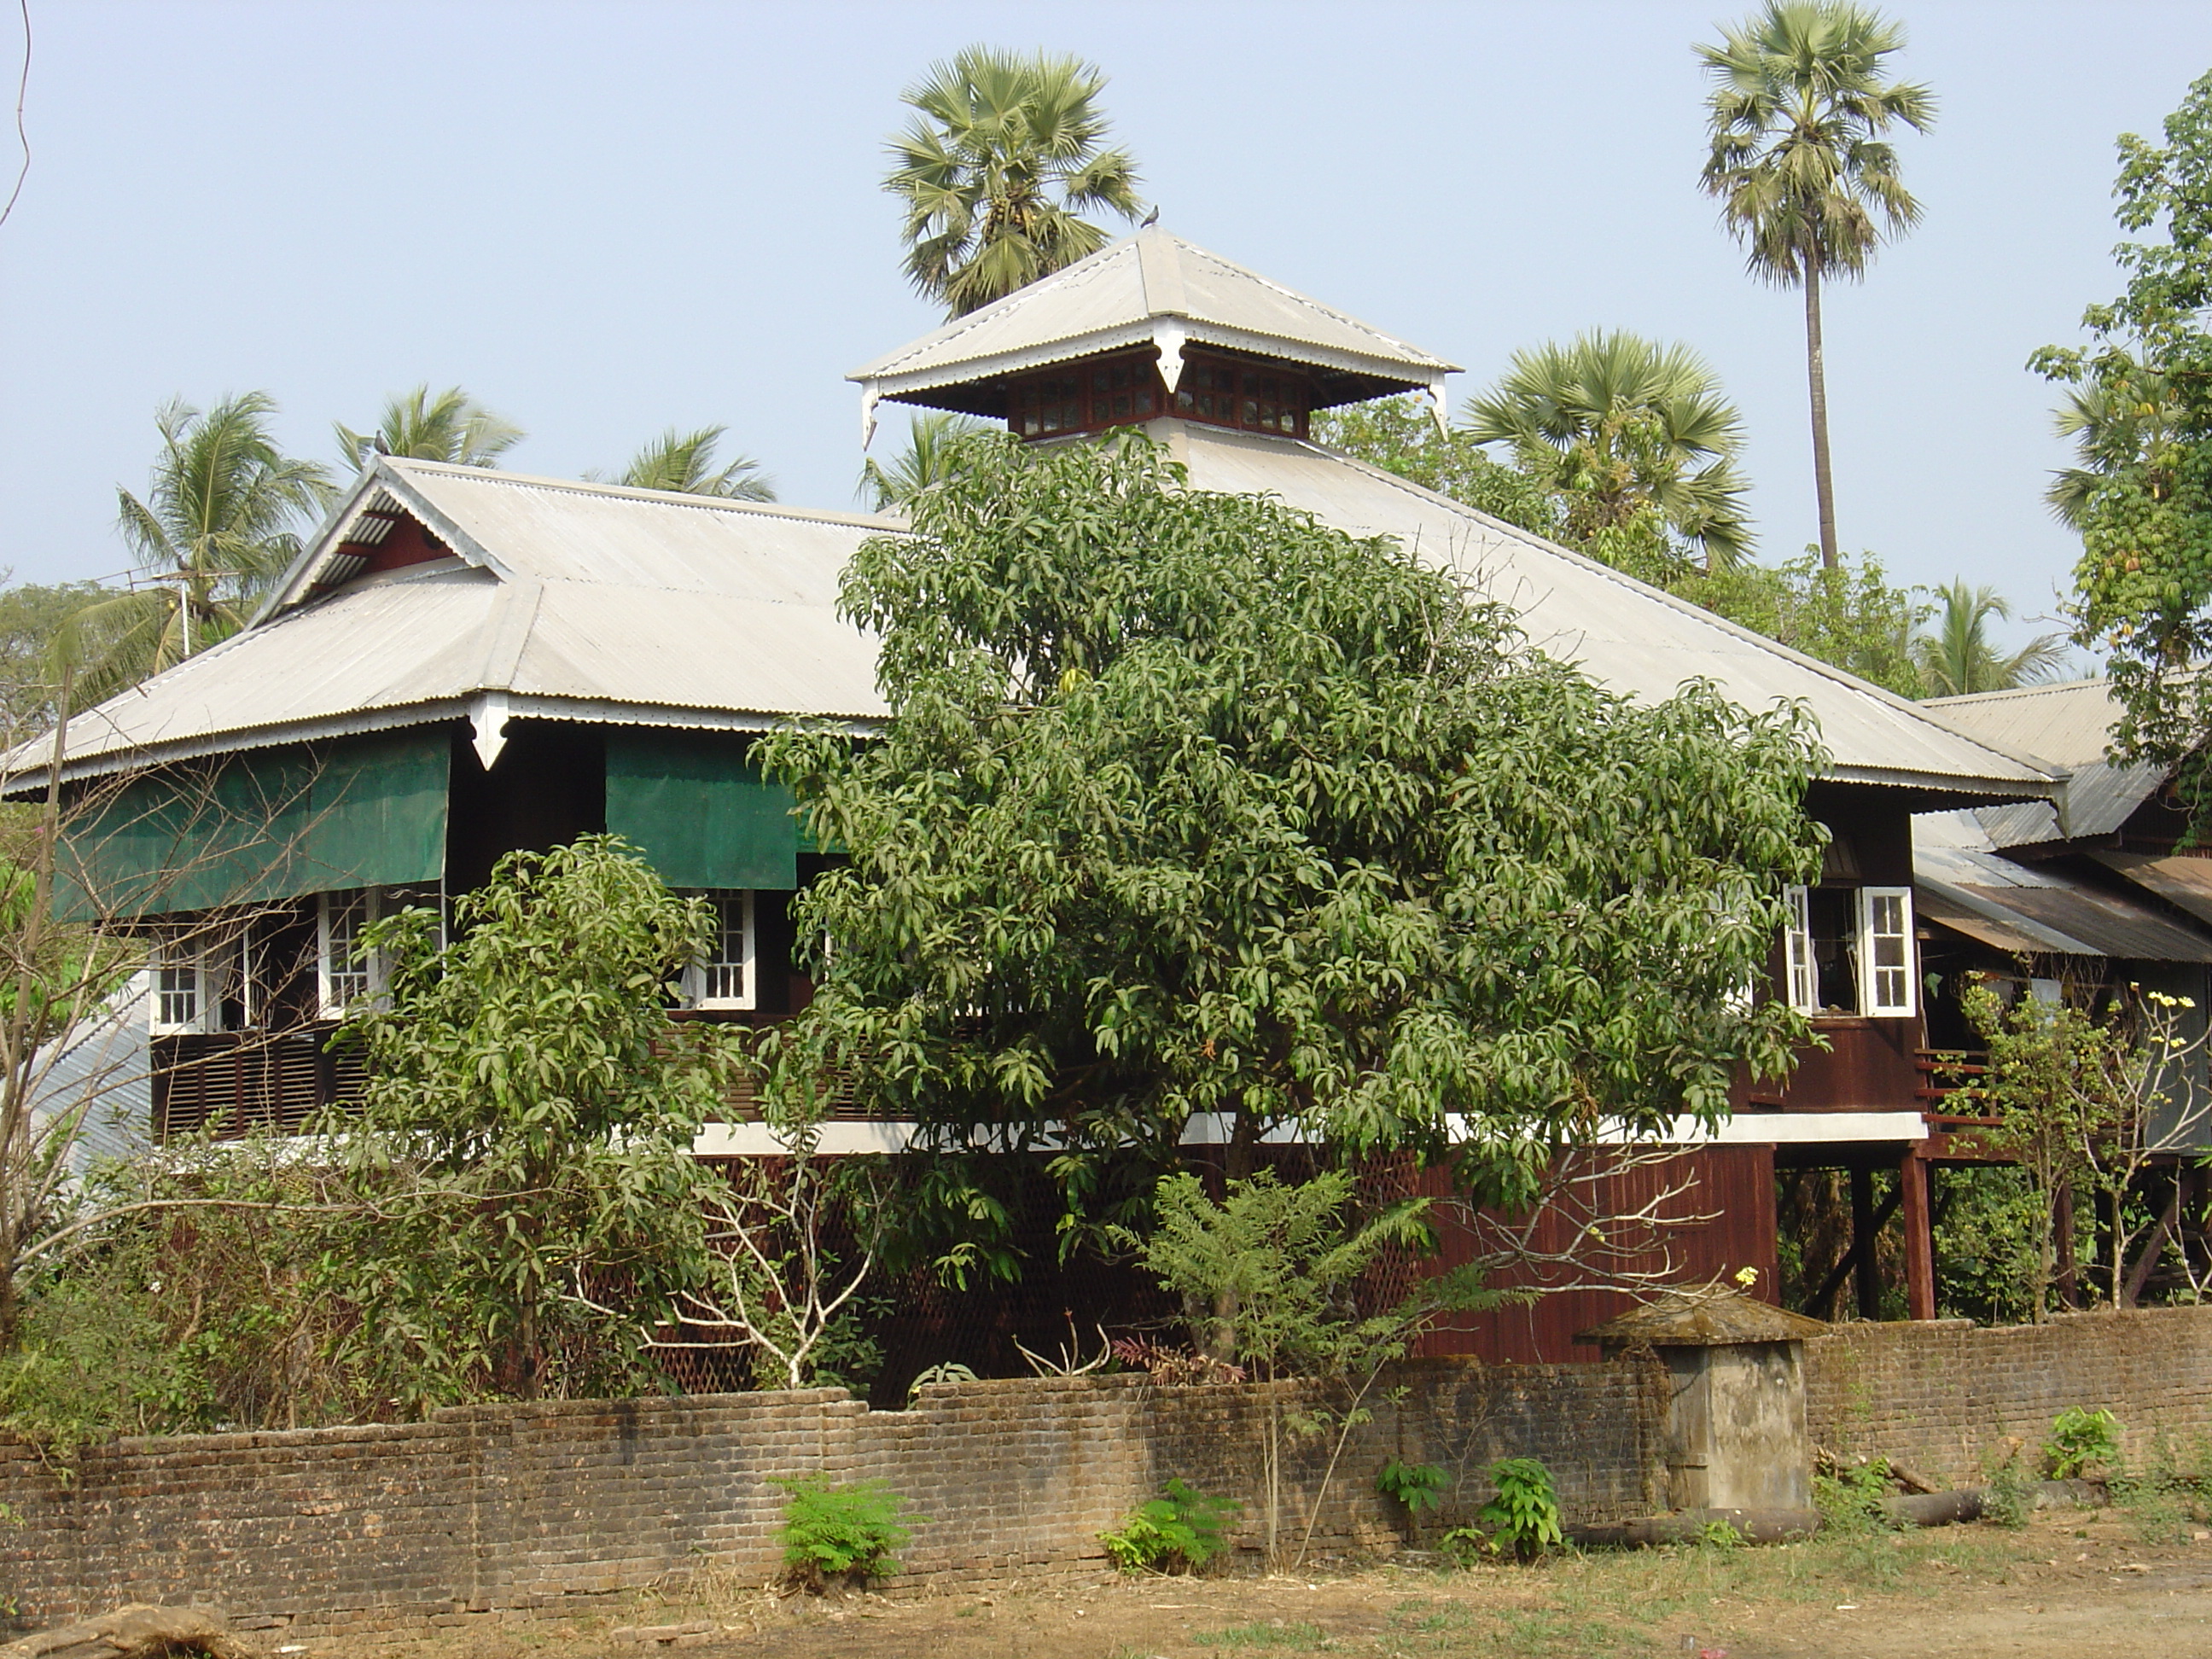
x=2013, y=938
x=1635, y=638
x=602, y=603
x=1120, y=296
x=1966, y=884
x=625, y=599
x=2180, y=879
x=2070, y=725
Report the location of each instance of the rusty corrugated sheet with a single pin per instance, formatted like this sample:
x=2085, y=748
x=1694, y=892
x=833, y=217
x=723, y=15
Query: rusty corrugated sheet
x=2178, y=879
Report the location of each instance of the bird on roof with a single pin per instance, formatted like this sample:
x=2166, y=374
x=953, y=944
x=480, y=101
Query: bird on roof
x=1151, y=218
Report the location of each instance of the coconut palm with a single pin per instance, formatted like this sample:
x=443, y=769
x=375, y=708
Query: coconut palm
x=1956, y=655
x=931, y=455
x=1618, y=426
x=685, y=462
x=1805, y=177
x=997, y=169
x=219, y=525
x=451, y=427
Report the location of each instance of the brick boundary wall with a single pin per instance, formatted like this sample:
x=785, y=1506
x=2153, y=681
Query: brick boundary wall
x=1939, y=1395
x=517, y=1509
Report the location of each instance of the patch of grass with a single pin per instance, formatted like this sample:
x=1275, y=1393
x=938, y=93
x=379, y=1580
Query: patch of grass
x=1273, y=1634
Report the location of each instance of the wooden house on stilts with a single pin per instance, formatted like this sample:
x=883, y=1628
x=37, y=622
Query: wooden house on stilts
x=464, y=661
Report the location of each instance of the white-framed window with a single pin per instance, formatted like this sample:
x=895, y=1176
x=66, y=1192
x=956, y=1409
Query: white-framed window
x=188, y=978
x=1798, y=963
x=344, y=973
x=724, y=979
x=1886, y=974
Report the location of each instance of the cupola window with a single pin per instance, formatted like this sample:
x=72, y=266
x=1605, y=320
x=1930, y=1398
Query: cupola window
x=1126, y=389
x=1086, y=396
x=1226, y=393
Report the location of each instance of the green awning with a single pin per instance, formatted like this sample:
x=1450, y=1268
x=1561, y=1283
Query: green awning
x=261, y=825
x=703, y=817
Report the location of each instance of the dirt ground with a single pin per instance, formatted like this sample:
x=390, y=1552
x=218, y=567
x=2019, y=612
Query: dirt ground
x=2082, y=1584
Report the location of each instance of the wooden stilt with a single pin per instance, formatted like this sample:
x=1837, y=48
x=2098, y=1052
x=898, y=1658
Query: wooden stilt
x=1919, y=1236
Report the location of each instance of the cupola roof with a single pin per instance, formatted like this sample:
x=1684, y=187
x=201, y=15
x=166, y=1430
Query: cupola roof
x=1151, y=289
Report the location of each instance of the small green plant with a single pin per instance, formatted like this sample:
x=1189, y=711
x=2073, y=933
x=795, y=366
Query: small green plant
x=843, y=1532
x=1419, y=1487
x=1524, y=1517
x=1719, y=1535
x=1179, y=1531
x=951, y=1370
x=2079, y=1440
x=1850, y=1499
x=2006, y=1500
x=1464, y=1546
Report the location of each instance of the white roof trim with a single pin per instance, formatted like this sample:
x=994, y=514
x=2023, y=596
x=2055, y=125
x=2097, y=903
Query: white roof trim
x=586, y=711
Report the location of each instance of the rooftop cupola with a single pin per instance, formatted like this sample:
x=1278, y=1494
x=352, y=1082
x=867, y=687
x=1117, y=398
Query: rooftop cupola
x=1147, y=327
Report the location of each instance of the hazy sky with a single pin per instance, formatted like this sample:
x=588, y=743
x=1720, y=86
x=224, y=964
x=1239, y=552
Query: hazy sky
x=606, y=219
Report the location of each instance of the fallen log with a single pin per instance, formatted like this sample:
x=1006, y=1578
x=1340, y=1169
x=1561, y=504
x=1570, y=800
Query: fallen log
x=1689, y=1526
x=138, y=1631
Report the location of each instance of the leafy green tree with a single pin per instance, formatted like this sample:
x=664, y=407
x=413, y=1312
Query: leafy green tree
x=1617, y=425
x=685, y=462
x=1807, y=180
x=1957, y=656
x=1274, y=1269
x=32, y=617
x=1189, y=804
x=220, y=524
x=2144, y=585
x=451, y=427
x=2085, y=1100
x=931, y=456
x=1005, y=155
x=523, y=1152
x=1845, y=614
x=1400, y=435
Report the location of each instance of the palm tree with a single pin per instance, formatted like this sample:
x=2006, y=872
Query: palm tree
x=1618, y=425
x=217, y=527
x=684, y=462
x=933, y=455
x=451, y=427
x=2124, y=420
x=1805, y=179
x=1957, y=657
x=997, y=169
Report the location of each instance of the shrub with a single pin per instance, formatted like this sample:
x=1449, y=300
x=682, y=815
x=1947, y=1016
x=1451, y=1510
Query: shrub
x=1850, y=1499
x=1465, y=1546
x=1419, y=1487
x=2081, y=1440
x=843, y=1532
x=2006, y=1499
x=1524, y=1517
x=1181, y=1530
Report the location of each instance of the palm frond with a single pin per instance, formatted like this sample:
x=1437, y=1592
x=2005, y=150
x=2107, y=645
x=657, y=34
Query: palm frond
x=1005, y=148
x=684, y=462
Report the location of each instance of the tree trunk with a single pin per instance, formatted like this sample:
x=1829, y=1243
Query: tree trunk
x=1823, y=483
x=2062, y=1227
x=18, y=1139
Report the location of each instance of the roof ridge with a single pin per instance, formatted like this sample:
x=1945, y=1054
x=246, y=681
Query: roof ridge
x=2042, y=689
x=632, y=492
